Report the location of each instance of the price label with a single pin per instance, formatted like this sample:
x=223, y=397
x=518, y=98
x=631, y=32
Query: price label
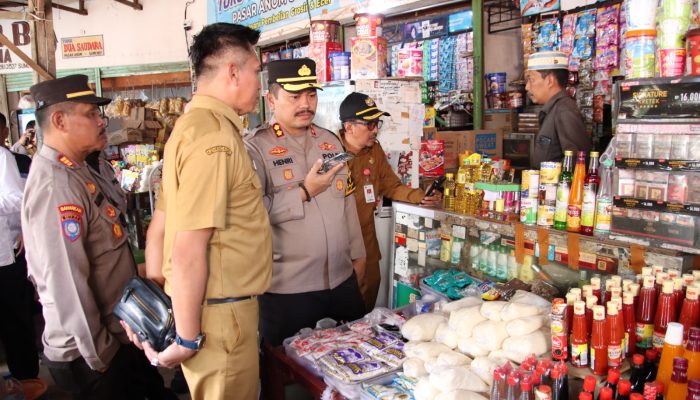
x=646, y=204
x=401, y=261
x=459, y=231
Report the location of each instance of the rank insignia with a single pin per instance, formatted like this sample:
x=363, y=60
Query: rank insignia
x=278, y=130
x=91, y=187
x=313, y=132
x=350, y=186
x=66, y=161
x=288, y=174
x=339, y=184
x=117, y=231
x=325, y=146
x=111, y=211
x=71, y=219
x=278, y=151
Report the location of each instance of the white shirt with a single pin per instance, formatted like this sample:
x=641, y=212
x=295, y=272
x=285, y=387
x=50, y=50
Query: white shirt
x=11, y=189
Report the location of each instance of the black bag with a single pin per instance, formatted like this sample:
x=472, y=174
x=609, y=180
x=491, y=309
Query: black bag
x=148, y=312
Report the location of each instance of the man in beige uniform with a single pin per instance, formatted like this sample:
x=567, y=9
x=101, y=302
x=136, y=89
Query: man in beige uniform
x=316, y=234
x=217, y=247
x=77, y=251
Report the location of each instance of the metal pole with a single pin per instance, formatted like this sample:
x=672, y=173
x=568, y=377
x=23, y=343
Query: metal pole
x=478, y=96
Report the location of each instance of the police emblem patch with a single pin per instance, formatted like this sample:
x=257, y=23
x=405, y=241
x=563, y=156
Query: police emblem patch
x=278, y=151
x=304, y=71
x=339, y=184
x=288, y=174
x=71, y=220
x=369, y=102
x=91, y=187
x=117, y=231
x=325, y=146
x=110, y=211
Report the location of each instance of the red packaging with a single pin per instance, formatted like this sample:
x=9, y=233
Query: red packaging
x=432, y=158
x=693, y=44
x=672, y=62
x=369, y=58
x=368, y=25
x=324, y=31
x=559, y=330
x=320, y=53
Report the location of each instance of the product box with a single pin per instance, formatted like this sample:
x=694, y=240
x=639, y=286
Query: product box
x=369, y=57
x=660, y=226
x=321, y=54
x=432, y=158
x=410, y=62
x=483, y=142
x=499, y=121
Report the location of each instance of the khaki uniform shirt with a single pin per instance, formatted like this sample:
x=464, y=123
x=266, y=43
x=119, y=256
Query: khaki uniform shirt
x=561, y=128
x=385, y=183
x=78, y=257
x=209, y=182
x=313, y=242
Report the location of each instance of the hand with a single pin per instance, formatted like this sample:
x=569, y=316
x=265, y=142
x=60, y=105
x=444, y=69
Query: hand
x=433, y=200
x=360, y=267
x=133, y=337
x=171, y=357
x=318, y=183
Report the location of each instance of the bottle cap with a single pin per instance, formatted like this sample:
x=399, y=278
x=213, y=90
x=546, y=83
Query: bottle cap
x=585, y=396
x=595, y=283
x=591, y=301
x=634, y=288
x=613, y=376
x=648, y=281
x=694, y=333
x=661, y=277
x=677, y=284
x=696, y=274
x=624, y=387
x=556, y=374
x=512, y=379
x=617, y=279
x=660, y=387
x=694, y=385
x=687, y=279
x=626, y=284
x=612, y=308
x=449, y=175
x=545, y=390
x=608, y=284
x=667, y=287
x=680, y=362
x=650, y=354
x=594, y=154
x=657, y=269
x=673, y=273
x=627, y=298
x=526, y=384
x=615, y=292
x=589, y=383
x=599, y=313
x=577, y=292
x=568, y=153
x=636, y=396
x=570, y=298
x=647, y=271
x=674, y=334
x=605, y=393
x=691, y=293
x=587, y=290
x=498, y=374
x=579, y=308
x=638, y=359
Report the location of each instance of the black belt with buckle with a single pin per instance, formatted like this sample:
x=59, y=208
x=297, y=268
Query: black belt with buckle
x=224, y=300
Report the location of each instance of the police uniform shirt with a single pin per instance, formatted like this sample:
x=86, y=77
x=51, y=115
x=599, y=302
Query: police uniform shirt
x=209, y=182
x=78, y=257
x=314, y=242
x=561, y=128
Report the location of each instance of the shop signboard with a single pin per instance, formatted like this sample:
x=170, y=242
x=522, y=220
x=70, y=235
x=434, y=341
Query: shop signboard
x=265, y=15
x=534, y=7
x=82, y=46
x=18, y=32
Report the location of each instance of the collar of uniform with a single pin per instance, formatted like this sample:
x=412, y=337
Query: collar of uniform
x=58, y=158
x=279, y=131
x=550, y=103
x=362, y=151
x=216, y=105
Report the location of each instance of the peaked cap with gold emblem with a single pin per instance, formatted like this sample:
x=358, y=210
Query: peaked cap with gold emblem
x=69, y=88
x=359, y=106
x=293, y=75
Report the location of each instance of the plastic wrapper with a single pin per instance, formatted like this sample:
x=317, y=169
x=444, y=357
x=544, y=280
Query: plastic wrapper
x=414, y=367
x=471, y=347
x=492, y=309
x=525, y=325
x=568, y=31
x=490, y=334
x=460, y=395
x=452, y=358
x=422, y=327
x=457, y=378
x=356, y=372
x=464, y=320
x=548, y=35
x=446, y=335
x=424, y=350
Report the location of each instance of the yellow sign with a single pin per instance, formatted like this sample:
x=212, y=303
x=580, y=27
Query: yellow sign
x=82, y=46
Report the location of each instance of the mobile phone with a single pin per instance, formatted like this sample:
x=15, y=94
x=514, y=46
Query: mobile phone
x=436, y=185
x=333, y=161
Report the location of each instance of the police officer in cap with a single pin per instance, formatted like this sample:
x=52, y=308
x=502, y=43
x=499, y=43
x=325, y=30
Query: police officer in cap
x=316, y=236
x=77, y=251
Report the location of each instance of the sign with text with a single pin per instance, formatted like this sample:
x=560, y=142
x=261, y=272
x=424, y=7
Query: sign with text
x=82, y=46
x=265, y=15
x=18, y=33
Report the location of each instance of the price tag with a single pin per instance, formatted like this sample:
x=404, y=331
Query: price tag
x=401, y=261
x=459, y=231
x=401, y=218
x=428, y=222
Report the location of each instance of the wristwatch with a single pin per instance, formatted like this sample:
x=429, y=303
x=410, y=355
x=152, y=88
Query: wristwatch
x=195, y=344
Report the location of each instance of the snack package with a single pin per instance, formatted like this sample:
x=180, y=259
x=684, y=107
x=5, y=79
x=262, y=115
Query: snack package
x=568, y=31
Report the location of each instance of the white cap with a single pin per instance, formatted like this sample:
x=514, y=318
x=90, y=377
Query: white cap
x=587, y=290
x=595, y=282
x=674, y=334
x=626, y=284
x=647, y=271
x=673, y=273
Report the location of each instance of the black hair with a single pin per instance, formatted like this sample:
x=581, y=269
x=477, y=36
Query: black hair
x=275, y=89
x=213, y=39
x=30, y=125
x=43, y=114
x=560, y=75
x=3, y=121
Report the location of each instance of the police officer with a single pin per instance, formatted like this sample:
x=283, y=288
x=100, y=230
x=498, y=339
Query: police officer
x=316, y=235
x=374, y=178
x=561, y=124
x=77, y=251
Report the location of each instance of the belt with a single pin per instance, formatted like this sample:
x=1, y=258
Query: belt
x=224, y=300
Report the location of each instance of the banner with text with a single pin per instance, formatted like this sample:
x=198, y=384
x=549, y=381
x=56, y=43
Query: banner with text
x=265, y=15
x=19, y=34
x=82, y=46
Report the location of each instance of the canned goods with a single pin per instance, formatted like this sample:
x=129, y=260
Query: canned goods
x=549, y=172
x=324, y=31
x=640, y=53
x=545, y=215
x=530, y=183
x=528, y=211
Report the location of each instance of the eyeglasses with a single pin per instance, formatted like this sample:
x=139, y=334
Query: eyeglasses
x=371, y=124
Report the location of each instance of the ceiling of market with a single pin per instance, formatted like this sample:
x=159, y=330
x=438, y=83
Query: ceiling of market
x=75, y=6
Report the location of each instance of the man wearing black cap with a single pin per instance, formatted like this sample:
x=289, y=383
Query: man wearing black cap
x=77, y=251
x=374, y=178
x=316, y=236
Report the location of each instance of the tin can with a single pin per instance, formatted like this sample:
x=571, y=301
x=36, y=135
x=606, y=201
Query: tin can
x=528, y=211
x=545, y=215
x=368, y=25
x=509, y=201
x=323, y=31
x=530, y=183
x=550, y=172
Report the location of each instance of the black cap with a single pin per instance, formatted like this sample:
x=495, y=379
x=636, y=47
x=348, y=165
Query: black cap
x=68, y=88
x=293, y=75
x=359, y=106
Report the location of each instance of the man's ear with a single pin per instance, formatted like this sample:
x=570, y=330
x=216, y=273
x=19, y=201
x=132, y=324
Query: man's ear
x=270, y=100
x=58, y=120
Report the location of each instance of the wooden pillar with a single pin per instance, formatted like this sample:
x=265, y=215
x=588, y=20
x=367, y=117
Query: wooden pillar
x=44, y=38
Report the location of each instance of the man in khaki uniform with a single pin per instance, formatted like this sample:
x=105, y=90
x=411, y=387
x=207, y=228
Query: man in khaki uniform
x=77, y=251
x=316, y=235
x=217, y=245
x=374, y=178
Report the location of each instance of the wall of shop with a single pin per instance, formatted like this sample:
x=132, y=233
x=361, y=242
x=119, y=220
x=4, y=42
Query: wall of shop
x=503, y=52
x=131, y=37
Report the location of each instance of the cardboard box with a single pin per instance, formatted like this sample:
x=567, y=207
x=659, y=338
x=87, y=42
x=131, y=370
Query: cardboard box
x=499, y=121
x=321, y=54
x=369, y=58
x=486, y=142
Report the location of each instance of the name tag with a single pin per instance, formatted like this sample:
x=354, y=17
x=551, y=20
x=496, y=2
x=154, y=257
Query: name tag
x=369, y=193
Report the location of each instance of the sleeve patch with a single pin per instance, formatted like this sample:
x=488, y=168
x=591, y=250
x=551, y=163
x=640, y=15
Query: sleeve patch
x=71, y=219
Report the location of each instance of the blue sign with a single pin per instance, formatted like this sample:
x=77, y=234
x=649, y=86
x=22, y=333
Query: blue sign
x=460, y=21
x=265, y=15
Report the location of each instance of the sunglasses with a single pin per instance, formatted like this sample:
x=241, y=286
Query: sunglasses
x=370, y=124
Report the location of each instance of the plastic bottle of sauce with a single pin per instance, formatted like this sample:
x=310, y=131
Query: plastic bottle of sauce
x=586, y=290
x=673, y=347
x=661, y=277
x=637, y=374
x=678, y=295
x=690, y=311
x=613, y=380
x=665, y=313
x=573, y=214
x=599, y=342
x=605, y=394
x=624, y=388
x=635, y=288
x=628, y=320
x=678, y=387
x=636, y=396
x=644, y=320
x=579, y=336
x=615, y=336
x=608, y=290
x=692, y=353
x=591, y=301
x=595, y=282
x=693, y=390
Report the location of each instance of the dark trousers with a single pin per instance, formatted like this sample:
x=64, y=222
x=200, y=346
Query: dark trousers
x=17, y=328
x=129, y=376
x=283, y=315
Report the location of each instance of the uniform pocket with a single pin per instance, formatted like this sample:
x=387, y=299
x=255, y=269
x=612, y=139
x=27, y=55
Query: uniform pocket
x=339, y=185
x=221, y=327
x=286, y=175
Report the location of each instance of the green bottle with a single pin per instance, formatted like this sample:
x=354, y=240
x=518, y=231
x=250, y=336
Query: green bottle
x=563, y=191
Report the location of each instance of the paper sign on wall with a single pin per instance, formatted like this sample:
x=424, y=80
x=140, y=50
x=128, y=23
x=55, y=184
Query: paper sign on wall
x=19, y=33
x=82, y=46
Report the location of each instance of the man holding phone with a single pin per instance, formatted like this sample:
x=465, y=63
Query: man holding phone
x=316, y=238
x=374, y=178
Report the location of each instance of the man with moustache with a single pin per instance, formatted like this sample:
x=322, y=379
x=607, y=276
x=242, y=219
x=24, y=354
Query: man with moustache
x=316, y=238
x=77, y=250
